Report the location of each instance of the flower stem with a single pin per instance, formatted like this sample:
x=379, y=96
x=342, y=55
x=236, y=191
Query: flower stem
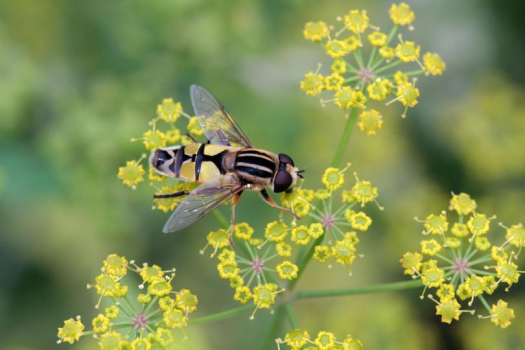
x=272, y=331
x=345, y=137
x=220, y=315
x=378, y=288
x=291, y=316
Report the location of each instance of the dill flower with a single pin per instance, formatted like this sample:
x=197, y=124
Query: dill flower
x=315, y=31
x=144, y=323
x=360, y=77
x=458, y=265
x=169, y=111
x=131, y=174
x=300, y=339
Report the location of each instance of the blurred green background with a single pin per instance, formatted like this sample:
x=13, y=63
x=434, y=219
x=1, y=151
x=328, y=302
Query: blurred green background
x=80, y=78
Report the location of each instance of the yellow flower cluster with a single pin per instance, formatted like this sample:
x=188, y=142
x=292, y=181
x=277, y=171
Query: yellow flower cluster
x=301, y=339
x=358, y=83
x=146, y=322
x=334, y=229
x=163, y=132
x=462, y=263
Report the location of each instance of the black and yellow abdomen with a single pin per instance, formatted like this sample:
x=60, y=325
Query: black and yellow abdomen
x=197, y=162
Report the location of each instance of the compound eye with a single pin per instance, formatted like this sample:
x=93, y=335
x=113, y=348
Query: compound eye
x=283, y=181
x=283, y=158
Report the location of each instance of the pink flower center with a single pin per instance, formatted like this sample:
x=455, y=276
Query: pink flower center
x=366, y=75
x=328, y=221
x=139, y=321
x=460, y=266
x=257, y=266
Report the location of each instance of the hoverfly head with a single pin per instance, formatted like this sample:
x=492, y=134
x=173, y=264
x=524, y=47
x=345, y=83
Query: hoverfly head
x=286, y=176
x=161, y=159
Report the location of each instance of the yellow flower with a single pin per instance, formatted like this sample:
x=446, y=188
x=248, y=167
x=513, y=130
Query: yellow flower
x=356, y=21
x=344, y=250
x=478, y=224
x=446, y=291
x=110, y=340
x=287, y=270
x=150, y=274
x=301, y=235
x=436, y=224
x=172, y=136
x=297, y=338
x=333, y=82
x=482, y=243
x=347, y=97
x=108, y=286
x=160, y=287
x=462, y=204
x=100, y=324
x=364, y=192
x=400, y=78
x=194, y=127
x=115, y=265
x=325, y=340
x=315, y=31
x=449, y=309
x=131, y=174
x=339, y=66
x=169, y=111
x=242, y=294
x=228, y=269
x=401, y=14
x=316, y=230
x=501, y=314
x=154, y=139
x=370, y=121
x=166, y=303
x=378, y=90
x=360, y=221
x=243, y=231
x=430, y=247
x=460, y=230
x=452, y=242
x=333, y=178
x=163, y=336
x=407, y=94
x=507, y=272
x=336, y=48
x=72, y=331
x=174, y=318
x=387, y=52
x=516, y=235
x=411, y=262
x=283, y=249
x=433, y=277
x=186, y=301
x=322, y=253
x=264, y=295
x=112, y=312
x=144, y=298
x=434, y=65
x=276, y=231
x=377, y=38
x=353, y=43
x=407, y=51
x=312, y=84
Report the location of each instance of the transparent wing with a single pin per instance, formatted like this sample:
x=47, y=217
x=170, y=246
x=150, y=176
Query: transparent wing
x=200, y=202
x=218, y=126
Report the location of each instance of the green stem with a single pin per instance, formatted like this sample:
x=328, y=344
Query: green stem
x=221, y=219
x=272, y=331
x=291, y=316
x=304, y=261
x=378, y=288
x=345, y=137
x=388, y=66
x=220, y=315
x=484, y=302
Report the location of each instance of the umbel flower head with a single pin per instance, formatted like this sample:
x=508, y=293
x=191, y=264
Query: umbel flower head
x=301, y=339
x=336, y=223
x=149, y=321
x=370, y=67
x=458, y=260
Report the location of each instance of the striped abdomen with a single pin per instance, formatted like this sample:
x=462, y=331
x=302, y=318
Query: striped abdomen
x=197, y=162
x=256, y=166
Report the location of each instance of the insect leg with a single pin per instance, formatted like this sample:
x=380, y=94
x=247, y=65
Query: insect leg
x=234, y=204
x=270, y=201
x=171, y=195
x=191, y=137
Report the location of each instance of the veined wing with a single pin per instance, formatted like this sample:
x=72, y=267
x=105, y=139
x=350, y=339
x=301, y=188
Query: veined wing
x=218, y=126
x=200, y=202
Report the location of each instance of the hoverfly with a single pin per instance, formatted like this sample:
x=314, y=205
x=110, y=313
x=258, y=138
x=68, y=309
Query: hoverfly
x=225, y=166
